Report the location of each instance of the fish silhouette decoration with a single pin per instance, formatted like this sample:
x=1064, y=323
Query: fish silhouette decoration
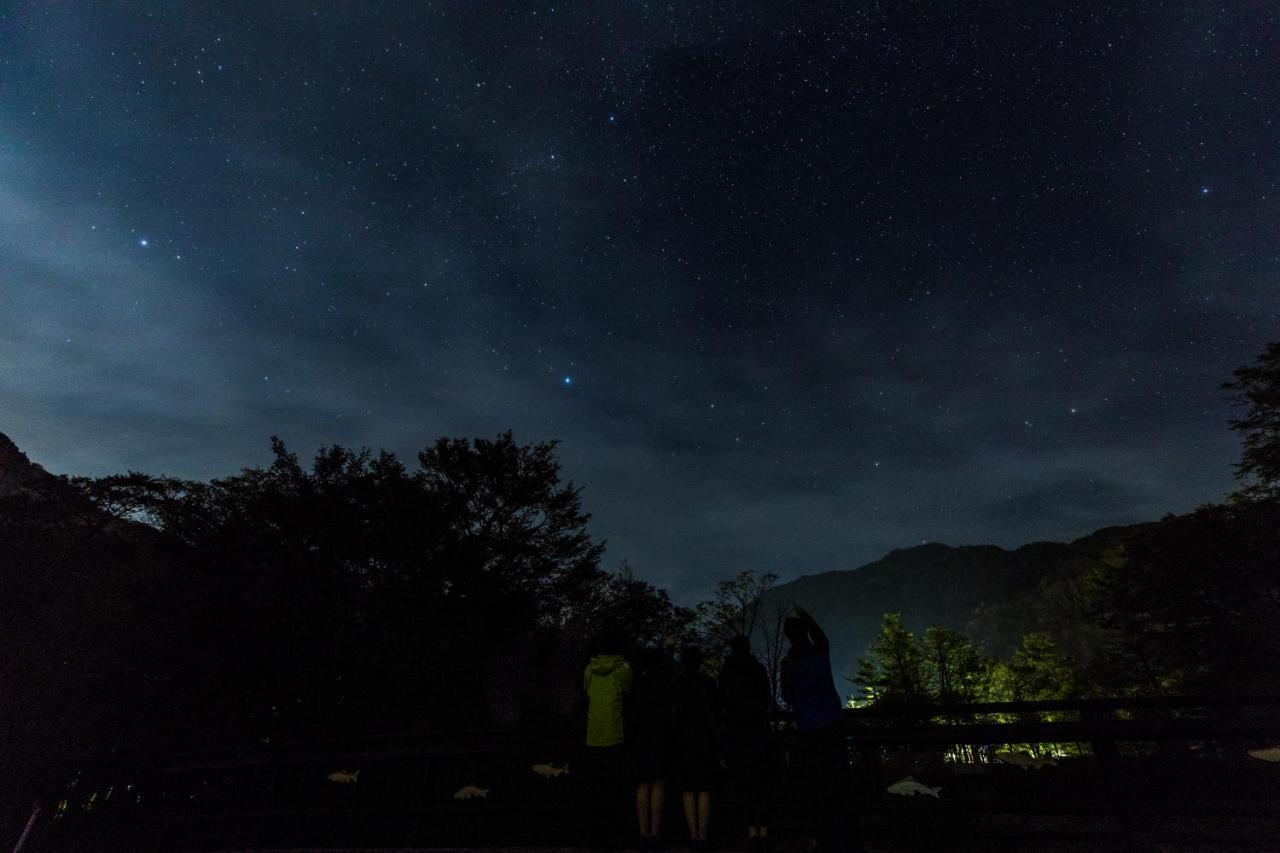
x=1024, y=761
x=344, y=776
x=550, y=771
x=1270, y=753
x=470, y=792
x=909, y=787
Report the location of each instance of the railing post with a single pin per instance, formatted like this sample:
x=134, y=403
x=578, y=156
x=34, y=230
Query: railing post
x=1103, y=746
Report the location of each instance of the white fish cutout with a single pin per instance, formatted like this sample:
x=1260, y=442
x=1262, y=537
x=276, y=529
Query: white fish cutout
x=909, y=787
x=470, y=792
x=1025, y=761
x=549, y=770
x=1270, y=753
x=344, y=776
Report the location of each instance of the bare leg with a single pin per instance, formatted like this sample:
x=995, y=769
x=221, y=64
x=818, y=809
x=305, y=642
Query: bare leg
x=643, y=815
x=691, y=813
x=657, y=804
x=704, y=814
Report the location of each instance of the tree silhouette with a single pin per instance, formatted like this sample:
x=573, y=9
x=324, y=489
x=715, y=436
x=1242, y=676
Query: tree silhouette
x=1191, y=603
x=346, y=595
x=1257, y=387
x=954, y=671
x=736, y=608
x=773, y=642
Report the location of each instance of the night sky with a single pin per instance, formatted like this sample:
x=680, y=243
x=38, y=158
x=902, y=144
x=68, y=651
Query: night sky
x=794, y=284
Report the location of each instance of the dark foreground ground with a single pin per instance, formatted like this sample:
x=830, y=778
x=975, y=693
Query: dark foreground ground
x=1164, y=778
x=792, y=847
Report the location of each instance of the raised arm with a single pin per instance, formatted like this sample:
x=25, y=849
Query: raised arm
x=816, y=636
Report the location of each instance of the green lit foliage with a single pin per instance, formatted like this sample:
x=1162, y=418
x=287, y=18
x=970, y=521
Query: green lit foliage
x=954, y=670
x=945, y=666
x=1038, y=671
x=894, y=670
x=1257, y=388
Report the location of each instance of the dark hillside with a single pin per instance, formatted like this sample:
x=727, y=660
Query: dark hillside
x=991, y=593
x=80, y=655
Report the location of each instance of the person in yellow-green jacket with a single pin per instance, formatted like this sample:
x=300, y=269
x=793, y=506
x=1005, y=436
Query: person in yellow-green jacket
x=607, y=683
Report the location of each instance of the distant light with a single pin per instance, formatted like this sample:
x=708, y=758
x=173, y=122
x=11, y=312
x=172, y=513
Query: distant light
x=568, y=380
x=1204, y=191
x=144, y=242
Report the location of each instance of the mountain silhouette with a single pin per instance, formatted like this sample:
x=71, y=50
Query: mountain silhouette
x=19, y=475
x=991, y=593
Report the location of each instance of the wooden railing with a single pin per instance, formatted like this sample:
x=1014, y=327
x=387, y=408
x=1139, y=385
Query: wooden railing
x=1131, y=772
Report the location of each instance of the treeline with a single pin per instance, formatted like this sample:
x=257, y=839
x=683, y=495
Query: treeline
x=946, y=666
x=145, y=616
x=1186, y=605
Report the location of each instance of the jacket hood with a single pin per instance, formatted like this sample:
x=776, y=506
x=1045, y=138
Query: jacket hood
x=605, y=664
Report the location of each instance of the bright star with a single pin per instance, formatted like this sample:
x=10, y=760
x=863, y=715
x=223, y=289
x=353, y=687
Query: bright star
x=1204, y=191
x=568, y=380
x=144, y=242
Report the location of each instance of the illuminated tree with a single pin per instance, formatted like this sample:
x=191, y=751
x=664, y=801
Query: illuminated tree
x=894, y=671
x=1039, y=671
x=954, y=670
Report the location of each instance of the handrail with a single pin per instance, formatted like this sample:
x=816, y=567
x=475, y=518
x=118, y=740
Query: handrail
x=1109, y=703
x=263, y=782
x=915, y=712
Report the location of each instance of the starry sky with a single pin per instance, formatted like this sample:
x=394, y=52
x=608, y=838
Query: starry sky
x=794, y=284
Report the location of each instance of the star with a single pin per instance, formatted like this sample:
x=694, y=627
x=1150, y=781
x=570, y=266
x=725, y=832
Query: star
x=1204, y=191
x=144, y=242
x=568, y=380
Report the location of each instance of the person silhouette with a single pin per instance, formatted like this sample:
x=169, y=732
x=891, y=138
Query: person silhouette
x=653, y=733
x=746, y=698
x=807, y=686
x=694, y=704
x=606, y=682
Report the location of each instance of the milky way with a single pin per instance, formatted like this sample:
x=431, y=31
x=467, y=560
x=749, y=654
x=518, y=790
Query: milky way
x=794, y=284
